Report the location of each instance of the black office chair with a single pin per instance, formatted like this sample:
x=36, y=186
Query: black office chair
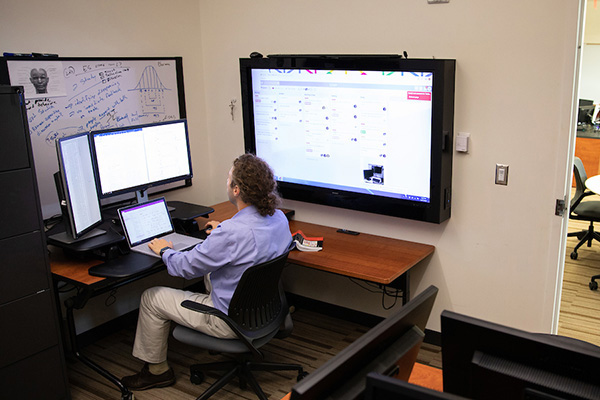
x=583, y=211
x=257, y=313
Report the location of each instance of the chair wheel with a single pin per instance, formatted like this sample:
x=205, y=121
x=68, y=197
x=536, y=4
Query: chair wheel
x=197, y=377
x=593, y=285
x=573, y=256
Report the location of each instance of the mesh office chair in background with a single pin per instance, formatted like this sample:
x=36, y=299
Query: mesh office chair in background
x=257, y=312
x=583, y=211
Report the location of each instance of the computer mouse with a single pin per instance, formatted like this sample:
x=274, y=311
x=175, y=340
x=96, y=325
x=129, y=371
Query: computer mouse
x=255, y=54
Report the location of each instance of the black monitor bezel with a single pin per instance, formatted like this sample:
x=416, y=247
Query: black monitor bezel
x=345, y=365
x=439, y=207
x=463, y=336
x=140, y=188
x=70, y=225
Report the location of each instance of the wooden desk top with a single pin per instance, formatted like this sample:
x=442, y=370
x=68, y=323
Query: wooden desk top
x=368, y=257
x=72, y=268
x=593, y=183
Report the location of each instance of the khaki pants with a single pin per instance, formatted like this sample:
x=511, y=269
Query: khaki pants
x=161, y=305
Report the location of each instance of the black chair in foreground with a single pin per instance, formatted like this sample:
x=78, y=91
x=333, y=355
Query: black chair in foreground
x=258, y=312
x=583, y=211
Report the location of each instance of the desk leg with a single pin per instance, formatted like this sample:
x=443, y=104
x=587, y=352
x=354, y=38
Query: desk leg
x=403, y=283
x=125, y=393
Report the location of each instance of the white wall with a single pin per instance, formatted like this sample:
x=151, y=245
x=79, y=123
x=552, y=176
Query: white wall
x=590, y=77
x=498, y=256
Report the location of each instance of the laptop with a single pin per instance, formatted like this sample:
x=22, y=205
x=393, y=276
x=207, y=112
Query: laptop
x=143, y=222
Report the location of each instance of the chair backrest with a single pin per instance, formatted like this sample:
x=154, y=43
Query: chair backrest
x=258, y=305
x=580, y=178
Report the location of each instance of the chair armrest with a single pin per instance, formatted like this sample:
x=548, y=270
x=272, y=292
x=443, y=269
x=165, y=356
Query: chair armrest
x=204, y=309
x=576, y=202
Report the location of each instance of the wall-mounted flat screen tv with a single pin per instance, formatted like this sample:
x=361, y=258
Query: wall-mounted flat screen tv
x=365, y=132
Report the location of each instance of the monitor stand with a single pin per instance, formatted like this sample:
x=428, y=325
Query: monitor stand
x=141, y=196
x=64, y=237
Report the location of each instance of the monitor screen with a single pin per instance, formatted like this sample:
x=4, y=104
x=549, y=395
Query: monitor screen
x=328, y=128
x=135, y=158
x=483, y=360
x=78, y=184
x=391, y=347
x=361, y=133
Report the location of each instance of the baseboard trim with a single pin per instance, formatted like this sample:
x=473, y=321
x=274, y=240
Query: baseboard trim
x=347, y=314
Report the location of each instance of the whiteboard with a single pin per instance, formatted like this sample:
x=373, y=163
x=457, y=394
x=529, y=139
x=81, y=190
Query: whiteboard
x=82, y=95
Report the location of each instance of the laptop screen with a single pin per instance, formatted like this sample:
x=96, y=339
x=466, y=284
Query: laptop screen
x=145, y=221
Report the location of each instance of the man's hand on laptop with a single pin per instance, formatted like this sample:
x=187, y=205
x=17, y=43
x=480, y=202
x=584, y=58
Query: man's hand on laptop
x=156, y=245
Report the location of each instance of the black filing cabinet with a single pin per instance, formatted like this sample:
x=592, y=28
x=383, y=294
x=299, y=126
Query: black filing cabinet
x=32, y=364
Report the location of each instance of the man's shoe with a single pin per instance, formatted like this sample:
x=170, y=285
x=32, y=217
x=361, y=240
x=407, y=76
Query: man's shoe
x=145, y=380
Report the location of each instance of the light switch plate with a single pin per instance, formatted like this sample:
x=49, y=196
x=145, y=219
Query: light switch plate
x=501, y=174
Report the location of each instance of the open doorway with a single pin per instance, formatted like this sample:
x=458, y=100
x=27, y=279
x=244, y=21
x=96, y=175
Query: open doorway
x=580, y=306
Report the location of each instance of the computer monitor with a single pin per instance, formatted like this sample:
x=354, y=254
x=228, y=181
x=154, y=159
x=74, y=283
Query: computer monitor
x=391, y=348
x=382, y=387
x=77, y=189
x=586, y=111
x=135, y=158
x=484, y=360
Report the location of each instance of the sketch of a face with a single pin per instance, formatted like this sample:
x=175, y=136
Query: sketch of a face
x=39, y=79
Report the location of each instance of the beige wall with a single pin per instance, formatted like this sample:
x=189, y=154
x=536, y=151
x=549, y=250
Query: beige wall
x=498, y=256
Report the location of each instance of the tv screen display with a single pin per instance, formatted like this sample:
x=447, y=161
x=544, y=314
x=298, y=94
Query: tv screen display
x=134, y=158
x=366, y=133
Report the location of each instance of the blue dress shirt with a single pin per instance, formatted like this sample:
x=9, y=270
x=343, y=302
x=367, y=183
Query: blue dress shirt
x=238, y=243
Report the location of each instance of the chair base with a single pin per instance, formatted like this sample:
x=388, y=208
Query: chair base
x=243, y=370
x=593, y=284
x=587, y=236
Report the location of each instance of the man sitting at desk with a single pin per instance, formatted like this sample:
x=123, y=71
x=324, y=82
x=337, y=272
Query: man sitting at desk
x=257, y=233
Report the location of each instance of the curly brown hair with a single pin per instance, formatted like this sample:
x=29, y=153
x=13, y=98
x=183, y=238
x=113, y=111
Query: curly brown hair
x=256, y=182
